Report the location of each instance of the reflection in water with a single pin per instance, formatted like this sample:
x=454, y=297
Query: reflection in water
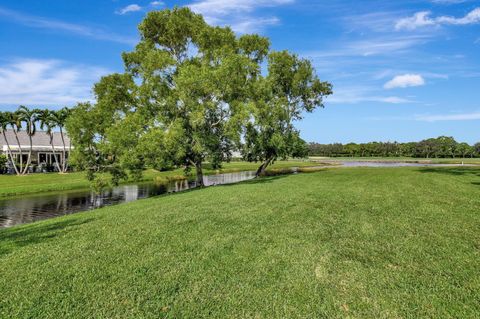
x=28, y=209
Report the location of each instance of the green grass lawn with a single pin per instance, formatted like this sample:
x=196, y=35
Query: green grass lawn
x=11, y=185
x=352, y=242
x=401, y=159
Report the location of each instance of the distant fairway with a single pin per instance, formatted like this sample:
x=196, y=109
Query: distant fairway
x=351, y=242
x=475, y=161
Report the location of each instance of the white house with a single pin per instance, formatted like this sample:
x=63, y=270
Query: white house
x=43, y=152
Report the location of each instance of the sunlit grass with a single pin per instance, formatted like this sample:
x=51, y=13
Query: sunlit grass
x=352, y=242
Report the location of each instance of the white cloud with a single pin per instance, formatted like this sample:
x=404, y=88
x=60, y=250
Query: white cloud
x=419, y=19
x=423, y=19
x=135, y=7
x=46, y=82
x=237, y=13
x=60, y=26
x=130, y=8
x=449, y=117
x=405, y=80
x=471, y=18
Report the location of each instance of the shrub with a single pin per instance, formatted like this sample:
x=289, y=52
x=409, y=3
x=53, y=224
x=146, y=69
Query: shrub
x=3, y=163
x=99, y=184
x=167, y=179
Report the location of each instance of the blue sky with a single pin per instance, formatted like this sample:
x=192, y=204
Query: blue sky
x=401, y=70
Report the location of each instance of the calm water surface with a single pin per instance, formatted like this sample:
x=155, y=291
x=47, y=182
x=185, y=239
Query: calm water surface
x=30, y=208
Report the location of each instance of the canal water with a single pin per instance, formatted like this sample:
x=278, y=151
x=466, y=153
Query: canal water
x=30, y=208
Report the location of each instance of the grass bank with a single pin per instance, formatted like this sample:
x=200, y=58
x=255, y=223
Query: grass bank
x=353, y=242
x=11, y=185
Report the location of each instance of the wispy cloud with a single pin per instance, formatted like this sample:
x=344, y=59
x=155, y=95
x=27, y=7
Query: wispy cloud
x=61, y=26
x=135, y=7
x=359, y=94
x=238, y=13
x=448, y=1
x=130, y=8
x=252, y=25
x=373, y=46
x=46, y=82
x=218, y=7
x=449, y=117
x=424, y=19
x=404, y=81
x=377, y=21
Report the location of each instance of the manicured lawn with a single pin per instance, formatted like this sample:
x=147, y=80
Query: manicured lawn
x=38, y=183
x=352, y=242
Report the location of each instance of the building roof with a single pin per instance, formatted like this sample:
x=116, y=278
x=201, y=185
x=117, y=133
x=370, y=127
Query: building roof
x=40, y=139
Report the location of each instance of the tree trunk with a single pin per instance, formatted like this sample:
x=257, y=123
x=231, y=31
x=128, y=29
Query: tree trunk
x=69, y=154
x=20, y=151
x=29, y=158
x=10, y=153
x=55, y=154
x=199, y=171
x=64, y=165
x=262, y=169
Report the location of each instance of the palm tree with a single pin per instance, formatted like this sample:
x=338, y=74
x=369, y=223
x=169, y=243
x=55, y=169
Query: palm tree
x=15, y=122
x=30, y=117
x=4, y=123
x=47, y=122
x=59, y=118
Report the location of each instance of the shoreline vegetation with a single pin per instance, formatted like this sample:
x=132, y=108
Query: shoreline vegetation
x=350, y=242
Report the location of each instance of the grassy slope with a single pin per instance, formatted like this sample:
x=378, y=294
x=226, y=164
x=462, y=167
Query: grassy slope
x=37, y=183
x=359, y=242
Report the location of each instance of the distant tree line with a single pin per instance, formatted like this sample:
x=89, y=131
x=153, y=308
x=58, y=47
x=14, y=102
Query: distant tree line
x=440, y=147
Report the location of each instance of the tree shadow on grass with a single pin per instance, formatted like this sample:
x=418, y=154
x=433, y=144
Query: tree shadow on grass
x=17, y=237
x=457, y=171
x=454, y=171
